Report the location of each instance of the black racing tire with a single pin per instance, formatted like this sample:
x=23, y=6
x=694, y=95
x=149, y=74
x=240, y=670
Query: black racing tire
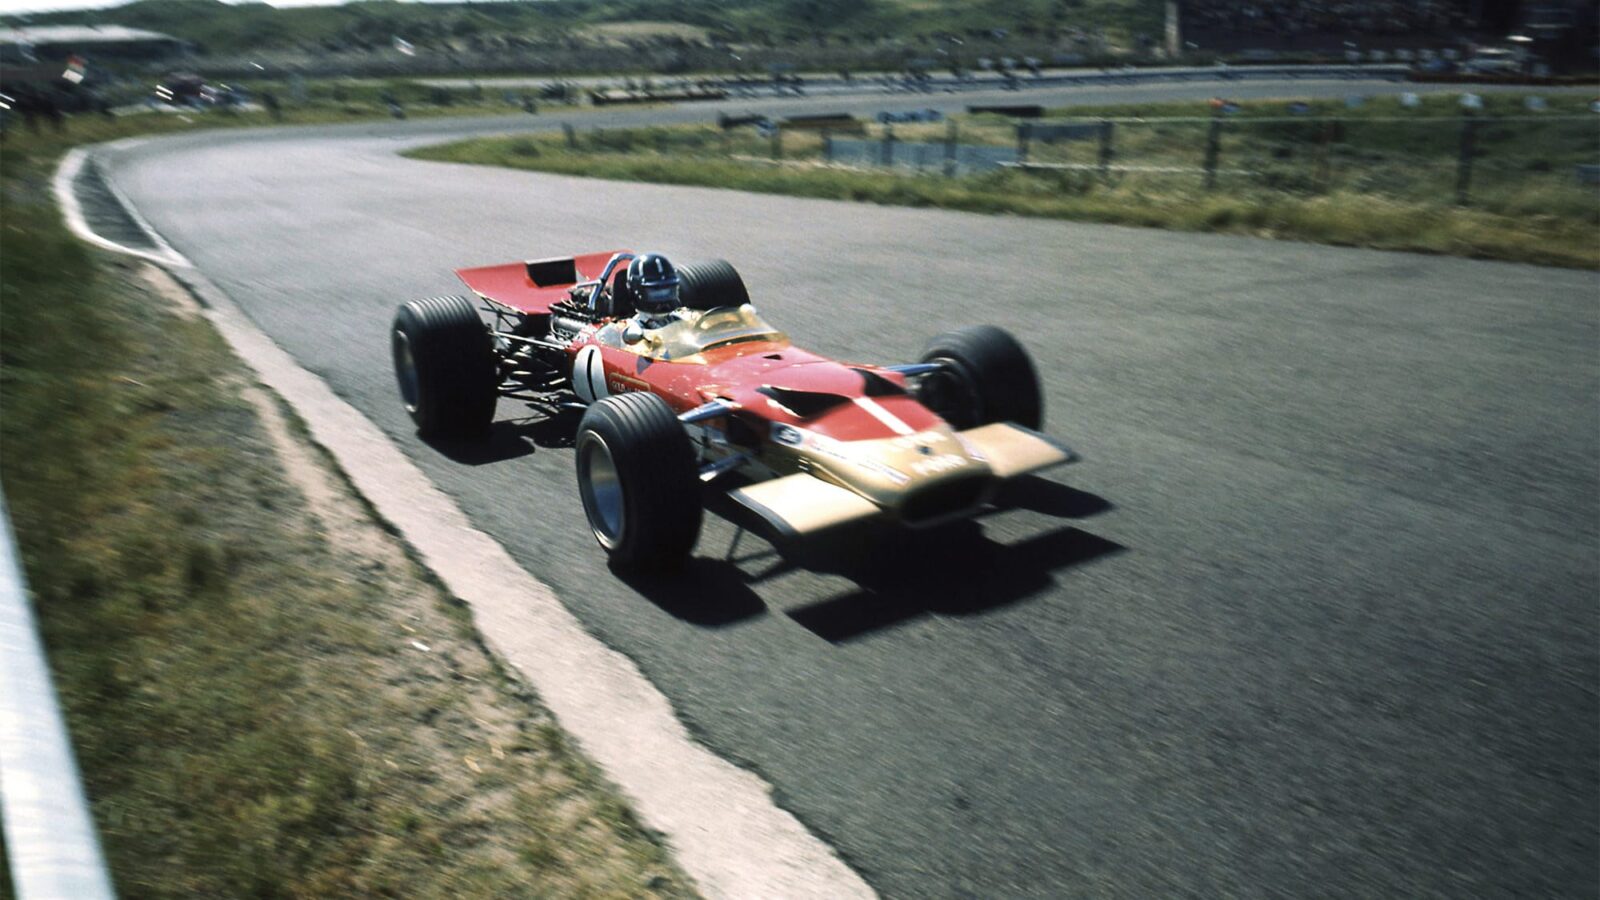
x=985, y=376
x=445, y=364
x=639, y=482
x=708, y=285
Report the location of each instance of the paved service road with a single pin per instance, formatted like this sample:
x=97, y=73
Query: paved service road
x=1318, y=613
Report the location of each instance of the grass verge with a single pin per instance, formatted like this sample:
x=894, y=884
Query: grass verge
x=267, y=695
x=1393, y=190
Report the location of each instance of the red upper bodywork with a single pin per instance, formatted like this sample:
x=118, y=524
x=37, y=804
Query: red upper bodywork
x=513, y=284
x=734, y=372
x=737, y=372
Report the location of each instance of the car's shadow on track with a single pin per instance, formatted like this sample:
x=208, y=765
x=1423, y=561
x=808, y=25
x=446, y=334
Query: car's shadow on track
x=898, y=574
x=954, y=570
x=511, y=439
x=1050, y=498
x=707, y=592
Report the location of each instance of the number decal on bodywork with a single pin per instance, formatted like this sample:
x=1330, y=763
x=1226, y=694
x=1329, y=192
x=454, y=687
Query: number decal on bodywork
x=589, y=375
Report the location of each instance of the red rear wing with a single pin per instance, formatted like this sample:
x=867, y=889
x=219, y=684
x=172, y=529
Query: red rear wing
x=532, y=286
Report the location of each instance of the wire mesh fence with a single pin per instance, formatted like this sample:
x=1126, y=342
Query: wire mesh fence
x=1462, y=159
x=950, y=157
x=1513, y=160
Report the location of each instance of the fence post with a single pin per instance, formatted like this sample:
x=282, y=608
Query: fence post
x=1469, y=128
x=1213, y=147
x=952, y=137
x=777, y=142
x=572, y=135
x=1107, y=134
x=887, y=154
x=1325, y=156
x=1024, y=134
x=827, y=145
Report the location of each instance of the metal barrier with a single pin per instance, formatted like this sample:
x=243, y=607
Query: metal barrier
x=51, y=843
x=1058, y=78
x=919, y=155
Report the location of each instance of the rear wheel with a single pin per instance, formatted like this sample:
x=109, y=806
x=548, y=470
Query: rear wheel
x=639, y=481
x=445, y=365
x=708, y=285
x=984, y=376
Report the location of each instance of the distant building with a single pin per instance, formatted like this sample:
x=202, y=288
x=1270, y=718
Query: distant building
x=1562, y=35
x=49, y=43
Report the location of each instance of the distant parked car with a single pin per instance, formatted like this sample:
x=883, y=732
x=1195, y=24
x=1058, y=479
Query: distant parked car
x=180, y=89
x=1495, y=61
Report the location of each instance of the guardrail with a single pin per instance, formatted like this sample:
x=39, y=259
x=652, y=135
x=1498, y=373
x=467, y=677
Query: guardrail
x=750, y=87
x=51, y=843
x=744, y=87
x=1223, y=73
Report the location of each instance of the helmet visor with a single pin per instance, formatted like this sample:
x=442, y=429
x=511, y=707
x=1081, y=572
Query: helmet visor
x=659, y=297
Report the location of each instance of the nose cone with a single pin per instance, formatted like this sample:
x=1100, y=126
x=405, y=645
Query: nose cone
x=920, y=478
x=837, y=401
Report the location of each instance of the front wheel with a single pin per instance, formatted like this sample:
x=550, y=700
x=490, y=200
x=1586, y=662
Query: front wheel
x=639, y=482
x=984, y=376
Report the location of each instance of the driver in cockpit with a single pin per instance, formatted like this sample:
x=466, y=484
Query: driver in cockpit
x=652, y=281
x=662, y=327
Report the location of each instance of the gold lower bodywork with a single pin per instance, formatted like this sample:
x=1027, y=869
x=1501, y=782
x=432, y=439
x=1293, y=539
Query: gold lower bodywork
x=917, y=479
x=803, y=504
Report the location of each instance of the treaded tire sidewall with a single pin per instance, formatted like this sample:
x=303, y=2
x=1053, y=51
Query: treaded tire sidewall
x=457, y=383
x=712, y=284
x=998, y=370
x=657, y=470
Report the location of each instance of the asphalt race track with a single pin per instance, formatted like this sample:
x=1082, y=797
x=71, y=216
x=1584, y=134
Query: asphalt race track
x=1318, y=613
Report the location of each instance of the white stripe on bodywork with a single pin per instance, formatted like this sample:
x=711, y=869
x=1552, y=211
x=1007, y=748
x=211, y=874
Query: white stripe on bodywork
x=589, y=375
x=883, y=415
x=596, y=366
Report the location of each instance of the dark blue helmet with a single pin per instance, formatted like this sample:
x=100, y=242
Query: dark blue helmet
x=654, y=283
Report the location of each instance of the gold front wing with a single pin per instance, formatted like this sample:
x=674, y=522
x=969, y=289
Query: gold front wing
x=918, y=479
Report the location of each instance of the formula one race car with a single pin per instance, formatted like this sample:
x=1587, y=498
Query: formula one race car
x=675, y=403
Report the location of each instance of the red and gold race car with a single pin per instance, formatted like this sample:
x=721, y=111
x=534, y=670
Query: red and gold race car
x=680, y=399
